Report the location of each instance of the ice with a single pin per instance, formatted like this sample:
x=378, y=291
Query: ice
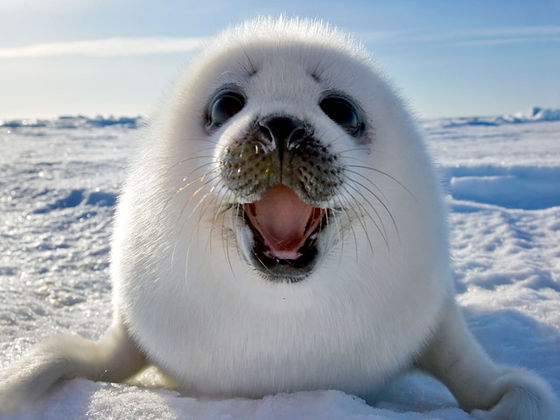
x=527, y=187
x=75, y=122
x=59, y=181
x=534, y=114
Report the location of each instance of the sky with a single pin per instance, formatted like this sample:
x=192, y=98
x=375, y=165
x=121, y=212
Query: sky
x=120, y=57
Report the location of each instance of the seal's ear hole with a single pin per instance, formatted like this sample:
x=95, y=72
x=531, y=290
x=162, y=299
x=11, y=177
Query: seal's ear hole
x=223, y=107
x=343, y=112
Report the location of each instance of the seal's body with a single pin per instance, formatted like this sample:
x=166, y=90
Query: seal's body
x=283, y=230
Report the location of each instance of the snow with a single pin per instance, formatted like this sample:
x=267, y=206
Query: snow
x=534, y=114
x=75, y=122
x=59, y=180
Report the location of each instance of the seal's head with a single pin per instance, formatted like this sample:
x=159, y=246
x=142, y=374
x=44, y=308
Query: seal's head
x=295, y=146
x=282, y=127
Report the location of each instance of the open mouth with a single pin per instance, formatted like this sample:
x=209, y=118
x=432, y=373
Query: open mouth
x=285, y=231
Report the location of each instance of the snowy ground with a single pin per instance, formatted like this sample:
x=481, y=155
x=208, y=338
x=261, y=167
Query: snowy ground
x=58, y=184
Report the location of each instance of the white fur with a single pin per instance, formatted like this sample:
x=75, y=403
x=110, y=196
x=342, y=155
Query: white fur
x=194, y=307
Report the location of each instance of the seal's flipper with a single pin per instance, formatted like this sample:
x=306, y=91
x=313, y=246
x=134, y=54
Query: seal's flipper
x=487, y=390
x=115, y=357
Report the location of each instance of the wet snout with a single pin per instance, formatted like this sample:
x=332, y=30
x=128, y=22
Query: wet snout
x=280, y=150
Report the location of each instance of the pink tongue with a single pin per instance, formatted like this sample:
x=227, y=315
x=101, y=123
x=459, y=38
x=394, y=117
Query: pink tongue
x=281, y=218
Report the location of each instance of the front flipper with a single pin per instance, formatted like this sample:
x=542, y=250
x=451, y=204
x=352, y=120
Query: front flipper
x=487, y=390
x=113, y=358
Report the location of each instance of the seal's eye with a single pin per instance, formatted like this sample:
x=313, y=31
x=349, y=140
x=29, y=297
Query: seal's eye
x=223, y=107
x=342, y=112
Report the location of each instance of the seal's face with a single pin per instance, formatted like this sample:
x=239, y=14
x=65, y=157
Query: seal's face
x=281, y=133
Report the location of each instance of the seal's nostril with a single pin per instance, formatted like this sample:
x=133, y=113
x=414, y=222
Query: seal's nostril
x=282, y=130
x=265, y=131
x=297, y=135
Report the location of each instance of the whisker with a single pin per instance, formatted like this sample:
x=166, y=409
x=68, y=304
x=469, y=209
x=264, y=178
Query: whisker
x=344, y=209
x=236, y=221
x=353, y=150
x=187, y=185
x=169, y=168
x=341, y=237
x=218, y=212
x=360, y=217
x=377, y=198
x=183, y=224
x=204, y=208
x=200, y=201
x=187, y=254
x=214, y=145
x=188, y=201
x=224, y=230
x=261, y=261
x=369, y=168
x=373, y=184
x=198, y=168
x=382, y=230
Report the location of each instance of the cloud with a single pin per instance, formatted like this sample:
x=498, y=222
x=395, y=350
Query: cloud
x=503, y=41
x=507, y=35
x=121, y=46
x=515, y=31
x=469, y=37
x=106, y=47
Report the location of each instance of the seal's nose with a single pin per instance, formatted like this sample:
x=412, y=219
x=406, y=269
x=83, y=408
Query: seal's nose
x=283, y=131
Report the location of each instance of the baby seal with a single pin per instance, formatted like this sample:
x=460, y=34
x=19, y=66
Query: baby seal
x=282, y=229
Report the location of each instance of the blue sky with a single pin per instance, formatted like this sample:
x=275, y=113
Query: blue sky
x=448, y=58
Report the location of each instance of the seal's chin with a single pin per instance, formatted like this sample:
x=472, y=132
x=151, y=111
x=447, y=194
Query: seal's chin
x=285, y=230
